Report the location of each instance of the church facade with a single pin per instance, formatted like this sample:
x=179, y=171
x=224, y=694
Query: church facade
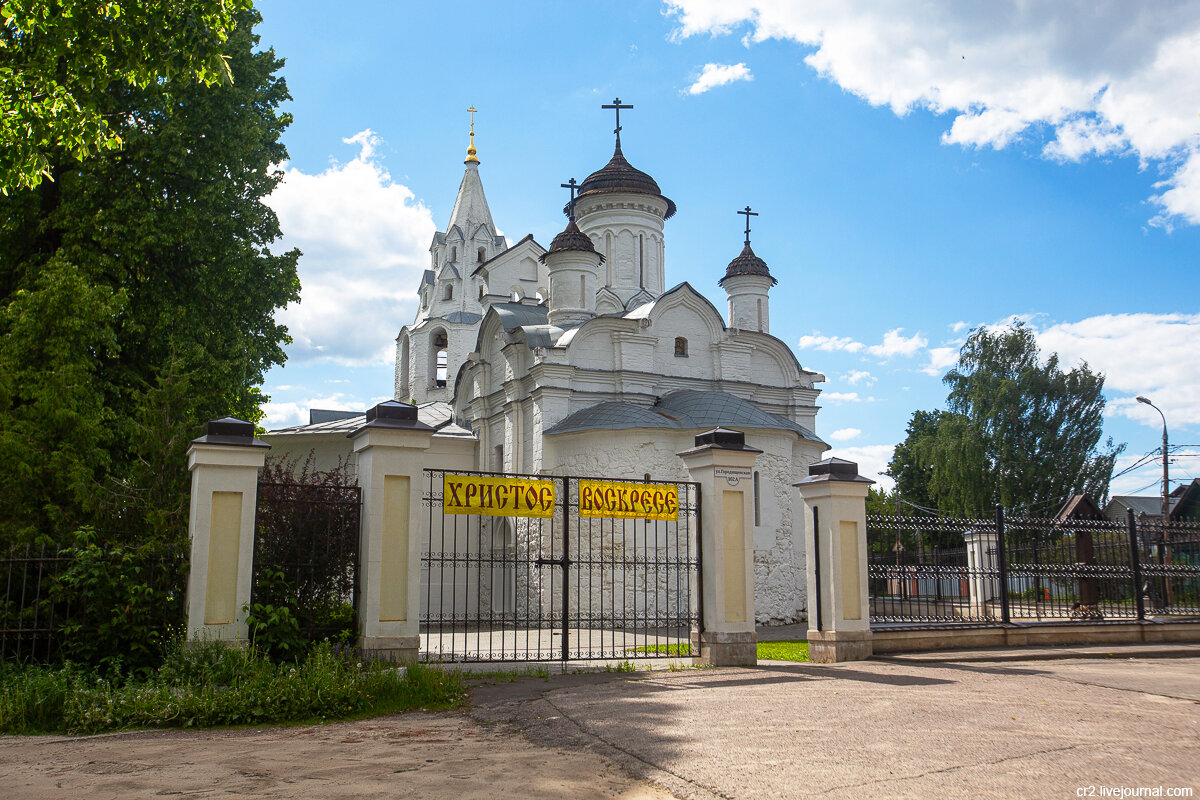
x=580, y=359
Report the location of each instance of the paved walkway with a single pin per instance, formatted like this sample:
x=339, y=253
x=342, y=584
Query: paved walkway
x=916, y=728
x=908, y=727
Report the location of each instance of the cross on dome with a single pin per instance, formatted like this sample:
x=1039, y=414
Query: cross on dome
x=616, y=106
x=748, y=214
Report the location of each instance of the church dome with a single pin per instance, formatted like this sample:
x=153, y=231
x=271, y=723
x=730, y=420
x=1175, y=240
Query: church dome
x=571, y=238
x=747, y=263
x=618, y=176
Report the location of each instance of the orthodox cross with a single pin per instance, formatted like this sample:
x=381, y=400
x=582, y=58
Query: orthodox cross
x=574, y=187
x=616, y=106
x=748, y=214
x=472, y=109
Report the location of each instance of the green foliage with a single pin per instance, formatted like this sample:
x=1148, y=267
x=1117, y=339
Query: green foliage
x=672, y=649
x=58, y=59
x=274, y=629
x=118, y=604
x=783, y=651
x=210, y=684
x=137, y=291
x=306, y=546
x=1018, y=432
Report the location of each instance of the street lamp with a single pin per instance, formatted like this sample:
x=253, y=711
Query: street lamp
x=1166, y=503
x=1164, y=551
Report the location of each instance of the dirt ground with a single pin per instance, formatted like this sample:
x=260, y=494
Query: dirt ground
x=411, y=755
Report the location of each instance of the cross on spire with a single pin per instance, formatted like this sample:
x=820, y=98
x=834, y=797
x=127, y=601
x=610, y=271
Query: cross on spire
x=748, y=214
x=616, y=106
x=471, y=157
x=574, y=187
x=472, y=109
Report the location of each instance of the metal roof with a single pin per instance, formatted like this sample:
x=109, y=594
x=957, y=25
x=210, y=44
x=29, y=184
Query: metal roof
x=436, y=414
x=463, y=316
x=685, y=409
x=519, y=315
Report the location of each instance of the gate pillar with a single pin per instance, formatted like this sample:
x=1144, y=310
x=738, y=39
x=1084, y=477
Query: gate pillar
x=391, y=454
x=835, y=514
x=724, y=467
x=224, y=464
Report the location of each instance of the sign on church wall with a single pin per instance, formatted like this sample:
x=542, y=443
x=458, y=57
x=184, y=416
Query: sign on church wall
x=497, y=497
x=628, y=500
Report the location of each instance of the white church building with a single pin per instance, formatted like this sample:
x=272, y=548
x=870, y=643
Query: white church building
x=580, y=359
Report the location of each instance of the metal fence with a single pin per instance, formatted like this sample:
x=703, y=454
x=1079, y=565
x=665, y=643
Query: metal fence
x=926, y=570
x=57, y=599
x=306, y=555
x=564, y=587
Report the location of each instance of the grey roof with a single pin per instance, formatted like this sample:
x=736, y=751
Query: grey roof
x=463, y=316
x=500, y=239
x=519, y=315
x=1151, y=506
x=436, y=414
x=429, y=277
x=684, y=409
x=316, y=415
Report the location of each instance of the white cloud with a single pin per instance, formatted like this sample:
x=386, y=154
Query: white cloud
x=896, y=345
x=846, y=397
x=856, y=376
x=1110, y=78
x=960, y=326
x=288, y=413
x=940, y=360
x=830, y=343
x=364, y=240
x=872, y=460
x=845, y=434
x=714, y=75
x=1154, y=355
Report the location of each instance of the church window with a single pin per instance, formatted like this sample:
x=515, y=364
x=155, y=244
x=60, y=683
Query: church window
x=756, y=500
x=641, y=261
x=448, y=294
x=482, y=290
x=498, y=464
x=404, y=391
x=681, y=347
x=482, y=255
x=453, y=254
x=439, y=344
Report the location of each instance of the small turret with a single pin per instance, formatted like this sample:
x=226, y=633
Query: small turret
x=747, y=283
x=573, y=264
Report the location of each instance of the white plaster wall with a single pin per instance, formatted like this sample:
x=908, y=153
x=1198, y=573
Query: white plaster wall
x=779, y=565
x=614, y=222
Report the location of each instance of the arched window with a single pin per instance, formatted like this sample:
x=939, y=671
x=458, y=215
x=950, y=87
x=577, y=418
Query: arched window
x=453, y=254
x=439, y=344
x=448, y=292
x=680, y=347
x=482, y=290
x=404, y=389
x=482, y=255
x=756, y=501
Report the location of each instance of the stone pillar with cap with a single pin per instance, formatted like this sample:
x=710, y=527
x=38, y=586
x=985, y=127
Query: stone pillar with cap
x=224, y=464
x=391, y=450
x=835, y=514
x=723, y=465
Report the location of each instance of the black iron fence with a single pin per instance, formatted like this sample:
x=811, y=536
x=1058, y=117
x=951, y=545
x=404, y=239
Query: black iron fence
x=306, y=547
x=943, y=570
x=90, y=602
x=565, y=586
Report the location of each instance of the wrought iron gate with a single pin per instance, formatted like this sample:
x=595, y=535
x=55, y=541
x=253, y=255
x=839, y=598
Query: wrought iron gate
x=560, y=586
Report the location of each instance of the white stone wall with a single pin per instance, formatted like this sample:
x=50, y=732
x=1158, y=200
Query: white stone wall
x=779, y=567
x=628, y=231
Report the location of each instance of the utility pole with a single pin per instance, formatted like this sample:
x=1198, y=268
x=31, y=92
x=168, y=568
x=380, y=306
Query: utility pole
x=1166, y=500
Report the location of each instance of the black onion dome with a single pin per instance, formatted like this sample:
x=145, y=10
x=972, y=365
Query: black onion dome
x=571, y=239
x=747, y=264
x=618, y=176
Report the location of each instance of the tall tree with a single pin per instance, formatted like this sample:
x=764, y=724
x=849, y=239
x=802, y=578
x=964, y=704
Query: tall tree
x=60, y=58
x=137, y=298
x=1018, y=431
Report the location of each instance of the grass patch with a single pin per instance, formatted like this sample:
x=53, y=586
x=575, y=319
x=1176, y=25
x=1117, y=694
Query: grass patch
x=210, y=685
x=679, y=649
x=783, y=651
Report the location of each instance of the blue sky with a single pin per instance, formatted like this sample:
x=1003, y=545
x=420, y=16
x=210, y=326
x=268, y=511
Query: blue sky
x=919, y=170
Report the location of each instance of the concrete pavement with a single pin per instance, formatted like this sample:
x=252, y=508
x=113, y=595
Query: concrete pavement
x=904, y=727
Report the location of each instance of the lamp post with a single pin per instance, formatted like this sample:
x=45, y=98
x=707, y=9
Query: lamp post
x=1166, y=494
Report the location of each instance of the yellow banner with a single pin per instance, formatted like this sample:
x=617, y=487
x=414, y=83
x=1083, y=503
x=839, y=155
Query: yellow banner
x=628, y=500
x=497, y=497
